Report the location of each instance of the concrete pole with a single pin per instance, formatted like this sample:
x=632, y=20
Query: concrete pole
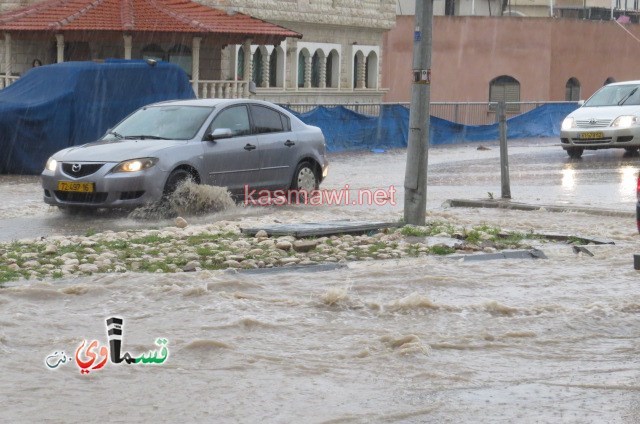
x=195, y=63
x=285, y=64
x=361, y=72
x=323, y=71
x=415, y=180
x=504, y=155
x=248, y=65
x=128, y=44
x=7, y=59
x=60, y=47
x=295, y=58
x=307, y=71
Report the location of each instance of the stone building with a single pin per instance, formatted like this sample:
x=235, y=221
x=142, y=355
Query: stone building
x=338, y=58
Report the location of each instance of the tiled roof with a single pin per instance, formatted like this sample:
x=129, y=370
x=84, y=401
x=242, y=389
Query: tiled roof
x=173, y=16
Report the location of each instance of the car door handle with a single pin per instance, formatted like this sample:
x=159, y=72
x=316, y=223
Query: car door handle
x=289, y=143
x=249, y=147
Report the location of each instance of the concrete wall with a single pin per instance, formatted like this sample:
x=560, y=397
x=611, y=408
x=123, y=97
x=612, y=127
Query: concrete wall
x=353, y=13
x=541, y=53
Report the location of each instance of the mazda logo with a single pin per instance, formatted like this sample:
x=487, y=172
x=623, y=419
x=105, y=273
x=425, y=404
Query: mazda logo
x=76, y=167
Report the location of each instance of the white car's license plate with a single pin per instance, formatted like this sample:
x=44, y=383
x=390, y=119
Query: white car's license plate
x=591, y=135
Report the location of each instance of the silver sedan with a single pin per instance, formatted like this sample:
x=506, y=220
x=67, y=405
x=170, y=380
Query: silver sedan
x=247, y=146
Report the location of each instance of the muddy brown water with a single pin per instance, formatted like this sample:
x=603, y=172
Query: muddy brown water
x=402, y=341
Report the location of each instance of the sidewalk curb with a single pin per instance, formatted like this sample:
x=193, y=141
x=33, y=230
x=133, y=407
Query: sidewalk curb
x=508, y=204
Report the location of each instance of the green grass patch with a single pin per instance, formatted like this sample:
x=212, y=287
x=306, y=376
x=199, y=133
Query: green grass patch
x=150, y=239
x=441, y=250
x=415, y=231
x=206, y=251
x=7, y=274
x=208, y=238
x=374, y=248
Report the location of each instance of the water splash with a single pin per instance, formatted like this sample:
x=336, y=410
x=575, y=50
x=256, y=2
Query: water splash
x=188, y=199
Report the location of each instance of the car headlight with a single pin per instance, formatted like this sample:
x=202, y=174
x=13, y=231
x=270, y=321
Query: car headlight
x=625, y=121
x=135, y=165
x=51, y=165
x=567, y=124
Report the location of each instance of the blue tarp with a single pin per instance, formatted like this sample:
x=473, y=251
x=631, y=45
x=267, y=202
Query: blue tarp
x=56, y=106
x=346, y=130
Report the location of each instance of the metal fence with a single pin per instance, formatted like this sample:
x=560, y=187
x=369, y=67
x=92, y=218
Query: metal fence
x=467, y=113
x=7, y=81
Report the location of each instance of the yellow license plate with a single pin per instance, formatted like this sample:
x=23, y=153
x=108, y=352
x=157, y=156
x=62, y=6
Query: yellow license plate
x=591, y=135
x=75, y=187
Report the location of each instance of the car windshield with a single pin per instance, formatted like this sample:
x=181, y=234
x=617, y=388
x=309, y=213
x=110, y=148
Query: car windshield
x=163, y=122
x=615, y=95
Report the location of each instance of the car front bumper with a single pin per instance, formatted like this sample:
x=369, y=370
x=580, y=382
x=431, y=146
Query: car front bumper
x=600, y=138
x=111, y=190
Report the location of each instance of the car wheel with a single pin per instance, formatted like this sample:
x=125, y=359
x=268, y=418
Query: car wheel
x=176, y=178
x=305, y=178
x=575, y=152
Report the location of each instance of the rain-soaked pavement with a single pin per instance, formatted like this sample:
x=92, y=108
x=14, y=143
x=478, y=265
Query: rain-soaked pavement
x=540, y=173
x=422, y=340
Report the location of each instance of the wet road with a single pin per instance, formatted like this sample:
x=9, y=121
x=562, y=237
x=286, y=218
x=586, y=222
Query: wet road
x=419, y=340
x=540, y=173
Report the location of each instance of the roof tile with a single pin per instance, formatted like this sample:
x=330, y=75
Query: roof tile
x=183, y=16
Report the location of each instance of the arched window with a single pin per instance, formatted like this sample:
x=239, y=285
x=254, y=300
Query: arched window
x=371, y=71
x=240, y=69
x=257, y=67
x=315, y=70
x=301, y=69
x=504, y=88
x=152, y=51
x=333, y=69
x=273, y=68
x=609, y=80
x=181, y=56
x=572, y=90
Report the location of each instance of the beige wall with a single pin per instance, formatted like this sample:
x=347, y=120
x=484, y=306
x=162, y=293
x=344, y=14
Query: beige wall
x=379, y=14
x=541, y=53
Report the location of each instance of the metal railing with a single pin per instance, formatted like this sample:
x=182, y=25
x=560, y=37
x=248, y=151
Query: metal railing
x=206, y=89
x=6, y=81
x=467, y=113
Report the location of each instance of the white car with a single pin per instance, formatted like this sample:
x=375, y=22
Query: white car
x=609, y=119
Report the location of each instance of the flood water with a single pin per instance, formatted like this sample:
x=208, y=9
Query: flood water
x=427, y=340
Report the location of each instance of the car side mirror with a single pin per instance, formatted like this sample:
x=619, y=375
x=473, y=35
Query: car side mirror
x=218, y=134
x=580, y=103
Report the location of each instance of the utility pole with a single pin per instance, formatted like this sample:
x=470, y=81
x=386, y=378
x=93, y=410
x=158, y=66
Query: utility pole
x=504, y=154
x=415, y=180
